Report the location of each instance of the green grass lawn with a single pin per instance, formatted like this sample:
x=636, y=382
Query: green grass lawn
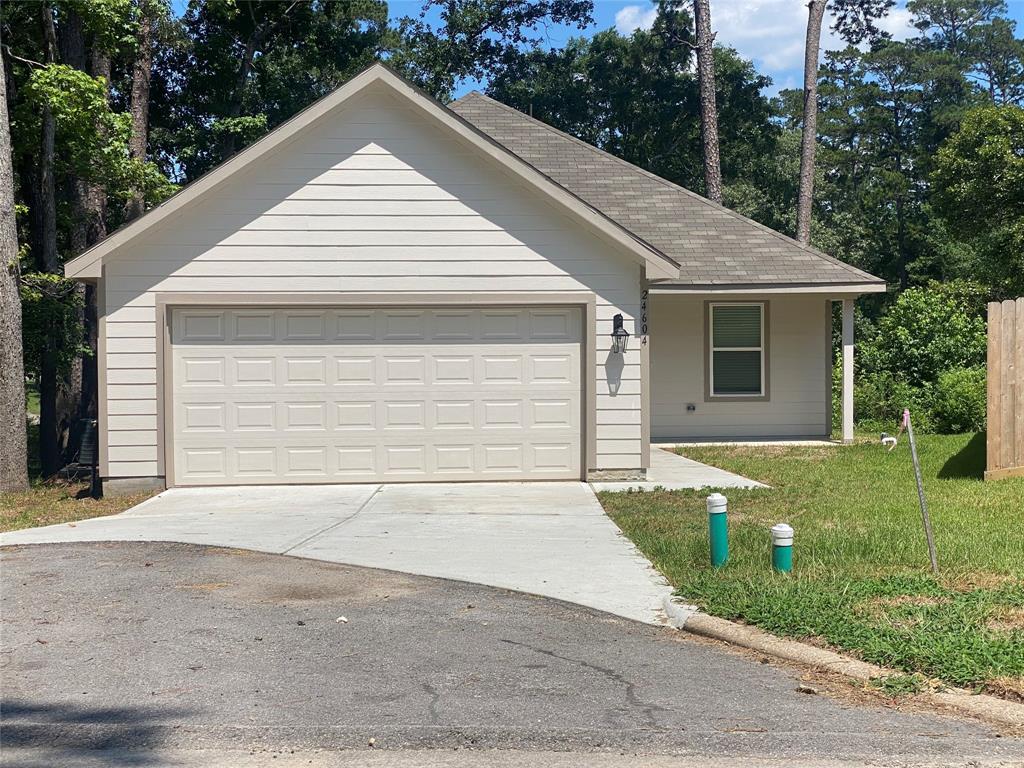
x=861, y=580
x=58, y=502
x=55, y=501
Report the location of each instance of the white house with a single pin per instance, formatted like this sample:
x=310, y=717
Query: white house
x=388, y=289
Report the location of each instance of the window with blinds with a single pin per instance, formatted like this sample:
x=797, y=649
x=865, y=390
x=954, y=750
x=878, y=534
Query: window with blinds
x=737, y=350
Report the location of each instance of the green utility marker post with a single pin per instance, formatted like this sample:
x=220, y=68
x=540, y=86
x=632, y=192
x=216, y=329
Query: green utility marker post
x=782, y=548
x=718, y=529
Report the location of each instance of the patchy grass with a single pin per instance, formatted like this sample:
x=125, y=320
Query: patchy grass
x=861, y=581
x=898, y=686
x=58, y=502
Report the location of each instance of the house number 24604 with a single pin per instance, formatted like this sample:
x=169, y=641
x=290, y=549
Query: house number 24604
x=643, y=317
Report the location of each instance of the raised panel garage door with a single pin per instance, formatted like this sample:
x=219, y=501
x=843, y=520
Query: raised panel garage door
x=273, y=395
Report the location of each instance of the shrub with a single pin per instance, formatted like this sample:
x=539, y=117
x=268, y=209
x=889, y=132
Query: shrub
x=879, y=400
x=959, y=400
x=927, y=331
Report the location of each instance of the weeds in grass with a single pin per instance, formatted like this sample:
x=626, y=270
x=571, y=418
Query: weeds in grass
x=58, y=502
x=861, y=580
x=898, y=686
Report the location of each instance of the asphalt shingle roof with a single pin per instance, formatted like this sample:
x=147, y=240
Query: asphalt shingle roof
x=713, y=245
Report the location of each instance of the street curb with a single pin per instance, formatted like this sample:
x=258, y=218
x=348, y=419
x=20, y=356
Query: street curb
x=688, y=619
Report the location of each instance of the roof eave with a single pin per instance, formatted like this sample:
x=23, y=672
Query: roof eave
x=829, y=288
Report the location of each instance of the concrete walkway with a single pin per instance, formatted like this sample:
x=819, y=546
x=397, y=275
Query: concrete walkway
x=550, y=539
x=673, y=472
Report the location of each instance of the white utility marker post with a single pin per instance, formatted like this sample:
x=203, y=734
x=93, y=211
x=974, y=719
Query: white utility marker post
x=847, y=370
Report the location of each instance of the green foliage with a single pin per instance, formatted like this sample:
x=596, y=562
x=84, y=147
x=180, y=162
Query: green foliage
x=897, y=686
x=246, y=129
x=926, y=353
x=636, y=97
x=959, y=400
x=926, y=331
x=879, y=400
x=111, y=22
x=93, y=139
x=979, y=191
x=479, y=39
x=51, y=321
x=205, y=109
x=861, y=580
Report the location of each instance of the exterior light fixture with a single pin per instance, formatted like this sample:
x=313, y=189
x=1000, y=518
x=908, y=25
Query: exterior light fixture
x=619, y=335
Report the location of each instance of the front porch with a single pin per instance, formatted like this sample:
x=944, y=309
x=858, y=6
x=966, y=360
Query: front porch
x=747, y=366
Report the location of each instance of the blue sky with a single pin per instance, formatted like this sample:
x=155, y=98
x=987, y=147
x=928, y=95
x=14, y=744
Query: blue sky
x=770, y=32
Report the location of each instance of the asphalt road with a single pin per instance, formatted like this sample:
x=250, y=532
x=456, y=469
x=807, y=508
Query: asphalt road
x=159, y=654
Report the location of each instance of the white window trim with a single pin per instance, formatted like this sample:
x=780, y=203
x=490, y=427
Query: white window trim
x=762, y=392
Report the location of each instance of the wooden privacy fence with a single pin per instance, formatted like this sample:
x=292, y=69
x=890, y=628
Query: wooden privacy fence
x=1005, y=448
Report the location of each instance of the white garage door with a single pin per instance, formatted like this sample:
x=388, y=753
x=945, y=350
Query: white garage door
x=359, y=395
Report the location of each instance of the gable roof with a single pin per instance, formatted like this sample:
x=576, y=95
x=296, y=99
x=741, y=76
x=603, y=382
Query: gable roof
x=683, y=240
x=714, y=246
x=88, y=265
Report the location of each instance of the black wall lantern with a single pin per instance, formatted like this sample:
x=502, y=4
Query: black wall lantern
x=619, y=335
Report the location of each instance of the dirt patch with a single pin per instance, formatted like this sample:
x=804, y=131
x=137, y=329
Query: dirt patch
x=229, y=551
x=310, y=590
x=1007, y=620
x=897, y=610
x=1011, y=688
x=206, y=587
x=972, y=581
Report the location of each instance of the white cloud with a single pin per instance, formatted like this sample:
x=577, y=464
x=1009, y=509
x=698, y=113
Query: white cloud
x=898, y=24
x=634, y=17
x=772, y=32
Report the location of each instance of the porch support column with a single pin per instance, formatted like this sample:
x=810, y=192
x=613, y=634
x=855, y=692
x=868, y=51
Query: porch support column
x=847, y=370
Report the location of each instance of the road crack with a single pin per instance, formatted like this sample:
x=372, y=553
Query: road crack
x=648, y=709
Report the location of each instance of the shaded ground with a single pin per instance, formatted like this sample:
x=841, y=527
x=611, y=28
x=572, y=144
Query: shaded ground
x=58, y=501
x=157, y=646
x=862, y=581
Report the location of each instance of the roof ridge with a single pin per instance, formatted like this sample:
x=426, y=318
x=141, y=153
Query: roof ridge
x=666, y=183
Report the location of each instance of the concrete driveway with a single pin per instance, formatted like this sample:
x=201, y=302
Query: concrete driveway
x=550, y=539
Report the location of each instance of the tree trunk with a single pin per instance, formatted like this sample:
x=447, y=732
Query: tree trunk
x=48, y=261
x=79, y=395
x=14, y=445
x=228, y=145
x=139, y=106
x=809, y=139
x=708, y=107
x=71, y=40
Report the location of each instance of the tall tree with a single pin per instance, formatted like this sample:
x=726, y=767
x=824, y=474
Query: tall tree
x=999, y=62
x=245, y=66
x=142, y=70
x=979, y=180
x=48, y=261
x=13, y=446
x=674, y=26
x=949, y=25
x=636, y=97
x=809, y=140
x=855, y=22
x=477, y=39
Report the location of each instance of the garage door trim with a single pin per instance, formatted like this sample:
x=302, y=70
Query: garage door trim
x=167, y=302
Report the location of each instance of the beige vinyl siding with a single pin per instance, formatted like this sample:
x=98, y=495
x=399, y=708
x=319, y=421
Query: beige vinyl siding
x=797, y=367
x=374, y=200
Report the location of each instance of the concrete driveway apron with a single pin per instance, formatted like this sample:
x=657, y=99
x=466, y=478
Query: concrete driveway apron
x=550, y=539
